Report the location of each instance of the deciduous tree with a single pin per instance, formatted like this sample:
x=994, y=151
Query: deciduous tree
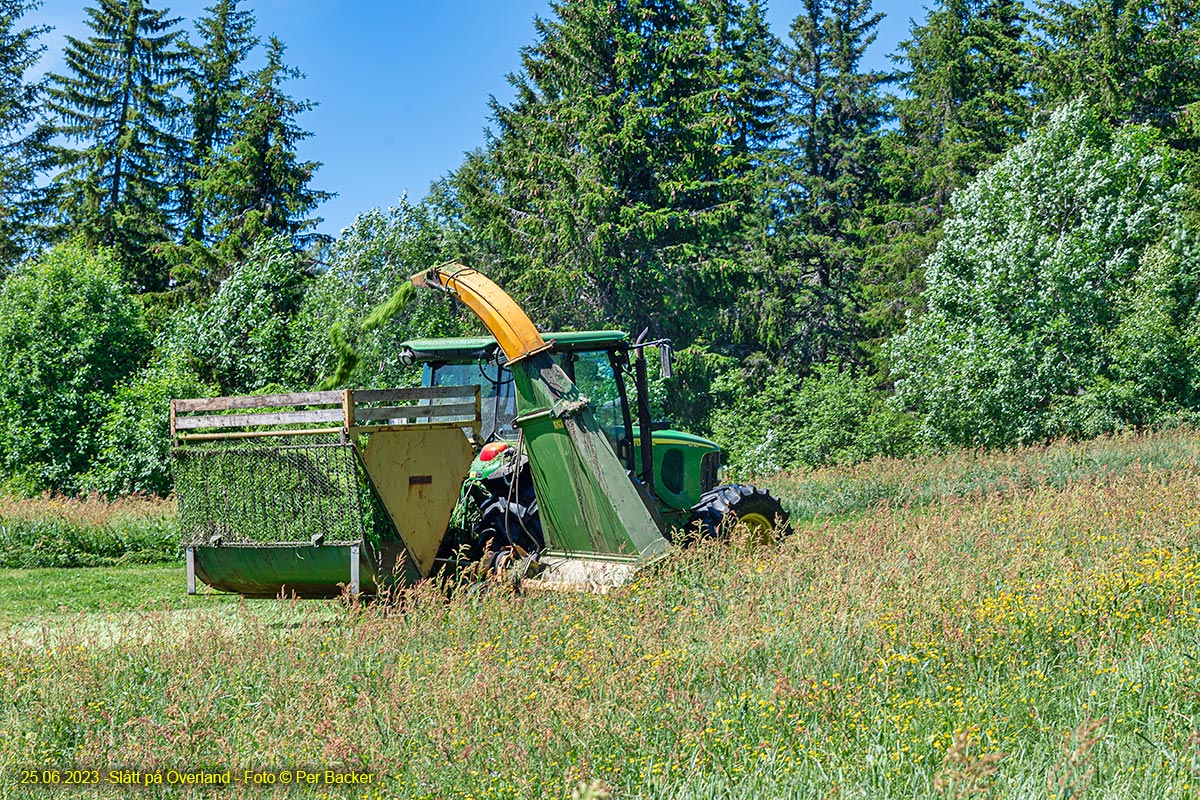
x=69, y=333
x=1062, y=298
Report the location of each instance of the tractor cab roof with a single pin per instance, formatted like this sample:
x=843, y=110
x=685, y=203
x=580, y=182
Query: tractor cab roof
x=472, y=348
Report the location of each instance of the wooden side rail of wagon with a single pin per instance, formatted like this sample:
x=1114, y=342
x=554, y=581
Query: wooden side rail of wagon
x=348, y=411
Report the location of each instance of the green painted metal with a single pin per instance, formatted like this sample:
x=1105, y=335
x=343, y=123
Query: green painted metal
x=472, y=347
x=586, y=501
x=690, y=450
x=305, y=570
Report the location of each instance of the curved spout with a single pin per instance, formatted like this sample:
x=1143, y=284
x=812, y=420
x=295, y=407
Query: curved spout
x=505, y=320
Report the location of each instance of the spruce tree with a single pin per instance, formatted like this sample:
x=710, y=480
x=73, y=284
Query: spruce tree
x=964, y=80
x=611, y=184
x=115, y=109
x=23, y=139
x=216, y=84
x=1136, y=60
x=257, y=185
x=828, y=175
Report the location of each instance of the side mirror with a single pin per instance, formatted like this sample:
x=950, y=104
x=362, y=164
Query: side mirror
x=664, y=355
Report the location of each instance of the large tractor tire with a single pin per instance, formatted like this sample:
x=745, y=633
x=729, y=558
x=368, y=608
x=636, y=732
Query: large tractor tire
x=508, y=515
x=720, y=508
x=503, y=524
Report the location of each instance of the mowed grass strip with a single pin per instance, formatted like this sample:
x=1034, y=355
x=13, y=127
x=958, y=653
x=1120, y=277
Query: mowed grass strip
x=33, y=597
x=1036, y=643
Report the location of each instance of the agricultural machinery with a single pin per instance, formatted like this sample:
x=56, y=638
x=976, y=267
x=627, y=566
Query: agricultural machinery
x=531, y=454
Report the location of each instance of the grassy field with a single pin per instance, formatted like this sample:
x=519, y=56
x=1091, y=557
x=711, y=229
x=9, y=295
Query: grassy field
x=1022, y=625
x=88, y=532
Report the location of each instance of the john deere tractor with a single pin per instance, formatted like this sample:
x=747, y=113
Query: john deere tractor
x=545, y=440
x=678, y=476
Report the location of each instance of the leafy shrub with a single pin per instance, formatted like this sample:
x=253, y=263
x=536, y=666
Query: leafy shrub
x=69, y=333
x=134, y=453
x=243, y=338
x=1062, y=299
x=833, y=416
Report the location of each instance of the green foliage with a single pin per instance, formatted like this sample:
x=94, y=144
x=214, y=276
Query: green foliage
x=257, y=186
x=383, y=314
x=371, y=262
x=963, y=74
x=687, y=397
x=69, y=334
x=612, y=184
x=1137, y=60
x=242, y=340
x=23, y=137
x=217, y=86
x=134, y=451
x=665, y=164
x=114, y=110
x=833, y=416
x=824, y=176
x=1062, y=298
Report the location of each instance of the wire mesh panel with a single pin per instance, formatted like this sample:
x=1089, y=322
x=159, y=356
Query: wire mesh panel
x=271, y=494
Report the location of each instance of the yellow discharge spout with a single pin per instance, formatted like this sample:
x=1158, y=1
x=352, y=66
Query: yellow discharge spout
x=505, y=320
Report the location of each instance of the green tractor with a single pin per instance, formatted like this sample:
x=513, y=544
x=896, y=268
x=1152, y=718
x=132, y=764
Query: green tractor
x=678, y=476
x=528, y=451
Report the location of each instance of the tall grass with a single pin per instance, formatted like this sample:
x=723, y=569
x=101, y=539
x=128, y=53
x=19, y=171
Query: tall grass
x=1040, y=642
x=86, y=532
x=830, y=493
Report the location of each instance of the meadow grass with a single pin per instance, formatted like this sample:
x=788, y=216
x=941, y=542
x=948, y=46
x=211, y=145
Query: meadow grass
x=841, y=492
x=1035, y=640
x=86, y=532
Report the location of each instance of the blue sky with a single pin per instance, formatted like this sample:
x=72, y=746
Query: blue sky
x=403, y=86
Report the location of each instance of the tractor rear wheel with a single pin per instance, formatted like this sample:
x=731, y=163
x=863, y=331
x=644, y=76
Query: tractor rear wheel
x=503, y=524
x=720, y=508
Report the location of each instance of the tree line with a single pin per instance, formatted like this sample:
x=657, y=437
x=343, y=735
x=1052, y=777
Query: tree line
x=991, y=243
x=153, y=142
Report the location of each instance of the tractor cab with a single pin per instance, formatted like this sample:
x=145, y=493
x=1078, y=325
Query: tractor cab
x=684, y=466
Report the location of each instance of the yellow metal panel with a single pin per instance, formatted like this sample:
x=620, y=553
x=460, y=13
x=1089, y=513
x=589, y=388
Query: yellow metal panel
x=418, y=472
x=505, y=320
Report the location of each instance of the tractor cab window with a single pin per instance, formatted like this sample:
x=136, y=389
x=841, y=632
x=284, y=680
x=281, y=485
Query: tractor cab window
x=498, y=398
x=592, y=372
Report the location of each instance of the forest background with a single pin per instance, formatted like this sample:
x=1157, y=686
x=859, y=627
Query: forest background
x=993, y=243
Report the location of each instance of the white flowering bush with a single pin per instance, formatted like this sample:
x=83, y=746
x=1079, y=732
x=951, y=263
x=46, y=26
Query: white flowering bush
x=1062, y=299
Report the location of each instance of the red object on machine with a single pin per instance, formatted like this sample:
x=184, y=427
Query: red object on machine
x=492, y=450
